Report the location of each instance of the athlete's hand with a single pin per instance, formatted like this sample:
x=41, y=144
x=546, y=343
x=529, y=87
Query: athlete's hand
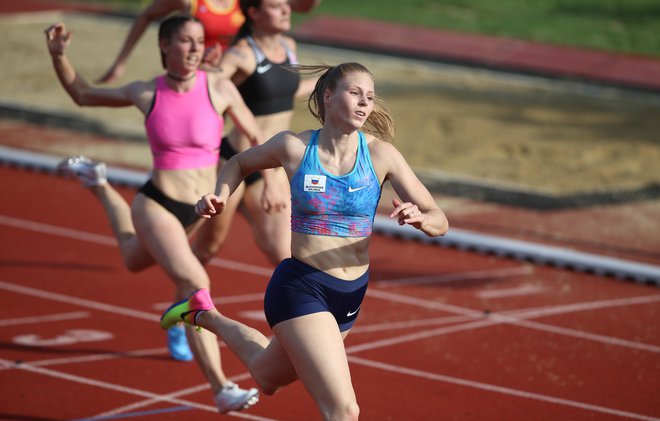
x=57, y=39
x=407, y=213
x=210, y=205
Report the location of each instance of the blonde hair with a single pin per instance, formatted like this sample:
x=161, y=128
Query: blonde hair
x=379, y=123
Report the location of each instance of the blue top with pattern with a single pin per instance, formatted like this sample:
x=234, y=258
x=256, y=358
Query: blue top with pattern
x=326, y=204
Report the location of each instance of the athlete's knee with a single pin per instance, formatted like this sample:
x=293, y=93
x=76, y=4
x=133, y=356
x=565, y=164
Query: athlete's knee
x=207, y=246
x=265, y=384
x=348, y=411
x=134, y=265
x=206, y=252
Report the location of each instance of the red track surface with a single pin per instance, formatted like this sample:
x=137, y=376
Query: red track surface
x=444, y=334
x=79, y=337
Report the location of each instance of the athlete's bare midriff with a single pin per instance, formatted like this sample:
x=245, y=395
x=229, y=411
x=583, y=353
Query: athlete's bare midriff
x=185, y=186
x=342, y=257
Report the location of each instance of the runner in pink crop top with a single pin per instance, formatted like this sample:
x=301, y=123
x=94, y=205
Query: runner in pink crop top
x=184, y=129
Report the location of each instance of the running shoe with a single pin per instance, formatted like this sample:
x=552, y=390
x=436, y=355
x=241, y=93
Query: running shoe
x=89, y=172
x=187, y=310
x=177, y=344
x=233, y=398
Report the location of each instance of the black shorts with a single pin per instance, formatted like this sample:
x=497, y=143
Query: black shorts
x=227, y=151
x=184, y=212
x=297, y=289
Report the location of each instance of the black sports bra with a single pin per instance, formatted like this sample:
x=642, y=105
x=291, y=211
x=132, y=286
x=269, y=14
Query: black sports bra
x=271, y=88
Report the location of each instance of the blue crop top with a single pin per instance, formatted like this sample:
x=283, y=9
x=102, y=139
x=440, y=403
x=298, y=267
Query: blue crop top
x=327, y=204
x=271, y=88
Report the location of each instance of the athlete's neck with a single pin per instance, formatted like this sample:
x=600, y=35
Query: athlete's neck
x=181, y=79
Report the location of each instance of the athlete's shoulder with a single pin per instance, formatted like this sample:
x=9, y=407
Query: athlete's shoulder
x=380, y=149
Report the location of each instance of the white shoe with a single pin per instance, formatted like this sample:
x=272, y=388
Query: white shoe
x=89, y=172
x=233, y=398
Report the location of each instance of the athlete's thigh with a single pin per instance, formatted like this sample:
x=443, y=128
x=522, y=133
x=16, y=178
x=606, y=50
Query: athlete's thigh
x=167, y=241
x=315, y=347
x=268, y=227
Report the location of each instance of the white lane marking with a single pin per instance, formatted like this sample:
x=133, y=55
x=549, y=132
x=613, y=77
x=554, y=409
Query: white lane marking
x=500, y=318
x=390, y=326
x=111, y=241
x=58, y=231
x=93, y=358
x=497, y=389
x=526, y=289
x=456, y=277
x=148, y=402
x=71, y=336
x=95, y=305
x=45, y=319
x=123, y=389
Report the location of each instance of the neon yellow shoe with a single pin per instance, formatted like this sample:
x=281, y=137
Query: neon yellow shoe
x=187, y=310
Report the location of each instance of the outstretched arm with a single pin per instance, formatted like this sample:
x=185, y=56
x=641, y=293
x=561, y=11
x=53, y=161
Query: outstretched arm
x=82, y=93
x=156, y=10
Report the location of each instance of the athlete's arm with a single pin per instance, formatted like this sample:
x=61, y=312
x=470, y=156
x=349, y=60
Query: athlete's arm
x=416, y=207
x=76, y=86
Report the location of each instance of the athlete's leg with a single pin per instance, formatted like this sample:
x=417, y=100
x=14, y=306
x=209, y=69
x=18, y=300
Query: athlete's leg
x=309, y=347
x=271, y=230
x=167, y=241
x=315, y=347
x=134, y=255
x=93, y=175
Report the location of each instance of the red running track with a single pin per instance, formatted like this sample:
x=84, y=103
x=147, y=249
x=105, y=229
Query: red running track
x=444, y=334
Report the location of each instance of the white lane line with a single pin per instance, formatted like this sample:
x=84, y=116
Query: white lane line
x=518, y=320
x=522, y=290
x=93, y=358
x=390, y=326
x=58, y=231
x=127, y=390
x=497, y=389
x=95, y=305
x=179, y=393
x=111, y=241
x=456, y=277
x=44, y=319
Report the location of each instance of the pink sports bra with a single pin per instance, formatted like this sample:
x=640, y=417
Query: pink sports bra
x=184, y=130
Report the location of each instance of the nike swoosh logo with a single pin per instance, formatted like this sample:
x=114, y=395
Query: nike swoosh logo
x=350, y=313
x=264, y=68
x=351, y=189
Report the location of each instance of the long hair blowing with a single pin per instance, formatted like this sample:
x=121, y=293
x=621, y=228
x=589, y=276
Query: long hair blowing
x=379, y=123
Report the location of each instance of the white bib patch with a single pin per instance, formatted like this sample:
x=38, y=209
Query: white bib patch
x=314, y=183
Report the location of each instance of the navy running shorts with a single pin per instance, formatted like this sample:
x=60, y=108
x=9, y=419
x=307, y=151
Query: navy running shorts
x=297, y=289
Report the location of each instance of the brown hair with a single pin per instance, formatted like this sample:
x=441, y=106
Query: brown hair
x=246, y=27
x=379, y=122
